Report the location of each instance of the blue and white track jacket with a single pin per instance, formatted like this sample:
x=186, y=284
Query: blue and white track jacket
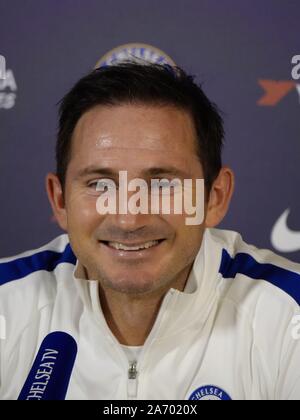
x=234, y=333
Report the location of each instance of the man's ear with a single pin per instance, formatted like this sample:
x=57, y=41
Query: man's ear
x=56, y=198
x=219, y=197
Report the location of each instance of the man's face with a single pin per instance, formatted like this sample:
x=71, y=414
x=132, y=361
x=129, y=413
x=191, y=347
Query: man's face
x=138, y=139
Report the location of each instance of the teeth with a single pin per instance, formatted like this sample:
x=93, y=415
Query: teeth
x=146, y=245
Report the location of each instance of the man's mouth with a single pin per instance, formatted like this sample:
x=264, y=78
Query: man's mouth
x=145, y=245
x=119, y=246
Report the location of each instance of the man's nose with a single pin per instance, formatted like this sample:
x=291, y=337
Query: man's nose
x=130, y=222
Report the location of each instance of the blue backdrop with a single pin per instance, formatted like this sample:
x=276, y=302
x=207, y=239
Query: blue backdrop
x=240, y=50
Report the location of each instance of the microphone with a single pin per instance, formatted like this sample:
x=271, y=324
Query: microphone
x=51, y=371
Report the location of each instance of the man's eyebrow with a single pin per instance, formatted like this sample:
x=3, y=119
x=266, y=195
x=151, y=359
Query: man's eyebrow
x=165, y=170
x=95, y=170
x=149, y=172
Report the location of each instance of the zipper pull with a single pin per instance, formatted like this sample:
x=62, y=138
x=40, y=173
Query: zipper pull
x=132, y=380
x=132, y=371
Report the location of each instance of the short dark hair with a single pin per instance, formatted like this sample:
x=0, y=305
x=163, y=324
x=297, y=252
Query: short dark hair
x=156, y=84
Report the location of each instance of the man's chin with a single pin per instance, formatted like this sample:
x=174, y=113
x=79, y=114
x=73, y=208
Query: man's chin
x=134, y=285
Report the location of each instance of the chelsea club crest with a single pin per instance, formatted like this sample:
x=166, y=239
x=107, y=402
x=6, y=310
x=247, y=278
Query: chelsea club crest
x=138, y=52
x=210, y=392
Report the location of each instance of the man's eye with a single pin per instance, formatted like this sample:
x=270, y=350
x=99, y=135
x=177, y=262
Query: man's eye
x=92, y=184
x=101, y=185
x=165, y=184
x=97, y=185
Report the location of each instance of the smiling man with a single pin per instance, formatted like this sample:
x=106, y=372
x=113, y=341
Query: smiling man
x=143, y=305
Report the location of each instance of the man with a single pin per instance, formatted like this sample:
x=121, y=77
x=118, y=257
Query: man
x=137, y=305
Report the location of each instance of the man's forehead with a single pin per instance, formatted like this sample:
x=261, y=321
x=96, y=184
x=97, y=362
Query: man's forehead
x=135, y=161
x=134, y=137
x=147, y=143
x=132, y=126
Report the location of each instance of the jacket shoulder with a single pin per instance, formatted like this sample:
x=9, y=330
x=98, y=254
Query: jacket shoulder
x=29, y=281
x=245, y=266
x=45, y=258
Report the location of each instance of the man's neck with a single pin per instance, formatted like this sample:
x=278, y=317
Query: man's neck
x=131, y=318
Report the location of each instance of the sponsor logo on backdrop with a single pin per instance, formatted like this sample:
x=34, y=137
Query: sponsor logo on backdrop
x=2, y=67
x=8, y=86
x=283, y=238
x=276, y=90
x=135, y=52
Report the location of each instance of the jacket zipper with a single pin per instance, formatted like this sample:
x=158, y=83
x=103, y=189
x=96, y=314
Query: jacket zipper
x=133, y=371
x=132, y=380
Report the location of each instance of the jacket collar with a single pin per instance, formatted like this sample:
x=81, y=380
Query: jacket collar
x=180, y=310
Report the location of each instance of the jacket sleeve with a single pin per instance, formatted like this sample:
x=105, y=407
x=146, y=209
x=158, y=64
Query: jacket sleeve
x=288, y=385
x=2, y=339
